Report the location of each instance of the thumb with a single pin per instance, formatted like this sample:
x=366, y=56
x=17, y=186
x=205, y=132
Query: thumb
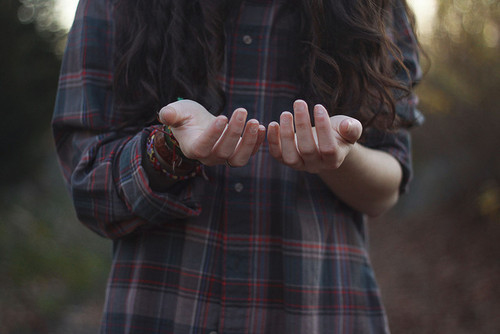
x=350, y=129
x=169, y=115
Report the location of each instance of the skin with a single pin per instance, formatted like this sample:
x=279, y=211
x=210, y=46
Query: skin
x=366, y=179
x=213, y=140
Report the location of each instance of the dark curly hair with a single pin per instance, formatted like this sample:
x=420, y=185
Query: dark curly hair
x=349, y=61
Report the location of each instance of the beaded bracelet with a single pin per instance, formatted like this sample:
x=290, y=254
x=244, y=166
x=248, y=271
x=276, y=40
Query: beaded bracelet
x=171, y=142
x=177, y=168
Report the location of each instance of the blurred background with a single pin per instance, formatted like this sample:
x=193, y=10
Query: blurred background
x=436, y=255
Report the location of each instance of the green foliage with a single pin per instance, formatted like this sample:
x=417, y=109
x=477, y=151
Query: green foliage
x=437, y=258
x=28, y=80
x=460, y=98
x=49, y=262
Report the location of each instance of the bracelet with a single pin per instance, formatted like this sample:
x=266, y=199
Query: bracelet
x=169, y=160
x=171, y=143
x=168, y=140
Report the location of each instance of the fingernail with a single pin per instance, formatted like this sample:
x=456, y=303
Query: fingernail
x=220, y=123
x=319, y=110
x=241, y=115
x=297, y=105
x=286, y=117
x=162, y=112
x=348, y=126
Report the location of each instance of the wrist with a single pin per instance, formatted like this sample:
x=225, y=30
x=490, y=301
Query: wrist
x=352, y=156
x=342, y=164
x=167, y=158
x=170, y=154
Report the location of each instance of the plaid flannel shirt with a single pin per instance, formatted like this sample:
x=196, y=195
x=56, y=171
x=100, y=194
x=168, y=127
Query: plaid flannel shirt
x=257, y=249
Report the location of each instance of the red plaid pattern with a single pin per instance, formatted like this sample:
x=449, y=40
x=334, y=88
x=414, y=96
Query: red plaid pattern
x=258, y=249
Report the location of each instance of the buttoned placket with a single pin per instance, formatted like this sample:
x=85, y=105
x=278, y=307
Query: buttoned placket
x=240, y=225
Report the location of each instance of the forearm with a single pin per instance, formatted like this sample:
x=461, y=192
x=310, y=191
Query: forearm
x=368, y=180
x=109, y=186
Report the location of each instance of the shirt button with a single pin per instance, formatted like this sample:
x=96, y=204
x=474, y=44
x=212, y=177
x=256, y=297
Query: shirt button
x=238, y=187
x=247, y=39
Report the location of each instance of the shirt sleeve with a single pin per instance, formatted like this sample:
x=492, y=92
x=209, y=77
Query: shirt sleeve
x=103, y=167
x=404, y=37
x=398, y=143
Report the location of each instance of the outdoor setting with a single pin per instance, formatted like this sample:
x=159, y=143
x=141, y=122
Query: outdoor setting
x=436, y=254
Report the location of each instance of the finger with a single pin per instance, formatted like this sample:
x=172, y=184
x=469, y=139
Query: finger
x=169, y=115
x=245, y=147
x=207, y=140
x=273, y=140
x=232, y=135
x=350, y=129
x=289, y=152
x=327, y=144
x=261, y=135
x=305, y=139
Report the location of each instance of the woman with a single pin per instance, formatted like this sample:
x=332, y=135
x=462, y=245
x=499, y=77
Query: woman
x=215, y=229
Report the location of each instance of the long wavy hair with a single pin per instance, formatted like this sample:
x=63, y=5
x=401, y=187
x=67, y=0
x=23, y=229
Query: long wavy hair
x=170, y=48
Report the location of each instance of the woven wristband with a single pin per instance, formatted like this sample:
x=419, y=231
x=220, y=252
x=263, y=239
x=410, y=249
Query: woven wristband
x=169, y=160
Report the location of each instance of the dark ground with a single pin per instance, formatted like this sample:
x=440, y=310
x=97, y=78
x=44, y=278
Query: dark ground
x=439, y=272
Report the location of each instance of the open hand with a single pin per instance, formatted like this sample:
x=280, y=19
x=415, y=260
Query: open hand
x=213, y=140
x=296, y=143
